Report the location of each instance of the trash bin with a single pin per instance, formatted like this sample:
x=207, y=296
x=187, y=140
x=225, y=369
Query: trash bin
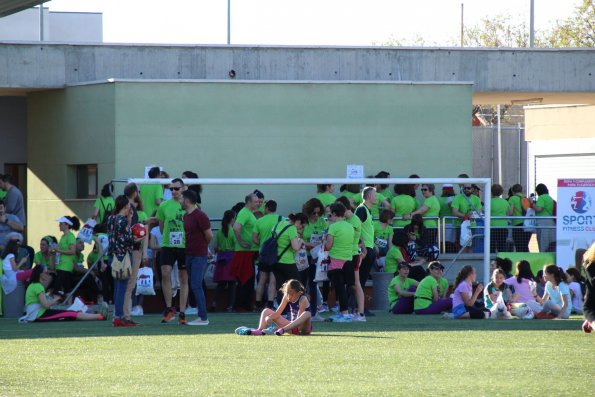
x=14, y=303
x=380, y=280
x=479, y=231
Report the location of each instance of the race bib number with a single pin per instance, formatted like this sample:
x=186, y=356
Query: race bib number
x=175, y=238
x=316, y=239
x=381, y=243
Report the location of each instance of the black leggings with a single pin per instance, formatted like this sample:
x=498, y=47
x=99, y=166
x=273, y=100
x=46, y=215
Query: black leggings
x=366, y=266
x=474, y=312
x=338, y=282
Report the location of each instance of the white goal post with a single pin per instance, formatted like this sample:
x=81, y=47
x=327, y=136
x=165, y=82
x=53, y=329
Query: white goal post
x=484, y=183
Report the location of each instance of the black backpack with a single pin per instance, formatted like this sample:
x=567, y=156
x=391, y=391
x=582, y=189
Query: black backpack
x=268, y=252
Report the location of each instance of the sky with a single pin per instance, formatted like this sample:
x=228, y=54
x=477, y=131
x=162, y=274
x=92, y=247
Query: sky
x=303, y=22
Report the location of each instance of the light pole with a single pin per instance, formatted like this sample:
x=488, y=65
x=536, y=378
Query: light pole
x=532, y=24
x=228, y=22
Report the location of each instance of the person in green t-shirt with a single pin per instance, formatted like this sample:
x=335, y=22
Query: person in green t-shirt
x=465, y=205
x=44, y=256
x=339, y=243
x=428, y=298
x=430, y=210
x=383, y=233
x=352, y=192
x=401, y=291
x=546, y=231
x=263, y=229
x=104, y=205
x=224, y=246
x=152, y=195
x=170, y=215
x=393, y=257
x=403, y=204
x=65, y=253
x=499, y=227
x=325, y=194
x=519, y=235
x=450, y=232
x=384, y=189
x=288, y=243
x=242, y=263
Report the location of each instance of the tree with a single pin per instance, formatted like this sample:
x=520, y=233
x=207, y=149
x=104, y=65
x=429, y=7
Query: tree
x=575, y=31
x=497, y=31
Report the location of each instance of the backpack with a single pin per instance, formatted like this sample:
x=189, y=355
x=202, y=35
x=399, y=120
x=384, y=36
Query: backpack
x=268, y=252
x=525, y=204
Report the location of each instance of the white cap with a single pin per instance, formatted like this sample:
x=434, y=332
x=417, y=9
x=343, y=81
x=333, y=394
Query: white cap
x=447, y=185
x=65, y=220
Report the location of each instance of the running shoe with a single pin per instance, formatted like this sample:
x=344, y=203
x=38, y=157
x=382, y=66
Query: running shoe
x=279, y=332
x=343, y=318
x=198, y=321
x=105, y=311
x=117, y=322
x=169, y=315
x=587, y=329
x=242, y=331
x=323, y=308
x=335, y=308
x=129, y=323
x=137, y=311
x=182, y=318
x=191, y=311
x=358, y=317
x=256, y=332
x=447, y=316
x=270, y=330
x=317, y=318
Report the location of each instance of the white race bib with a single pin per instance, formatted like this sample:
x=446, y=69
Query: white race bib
x=381, y=243
x=175, y=238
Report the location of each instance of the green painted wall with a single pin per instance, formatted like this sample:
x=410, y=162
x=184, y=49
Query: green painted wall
x=66, y=127
x=234, y=129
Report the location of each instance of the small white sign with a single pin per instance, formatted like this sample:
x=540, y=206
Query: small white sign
x=355, y=171
x=148, y=168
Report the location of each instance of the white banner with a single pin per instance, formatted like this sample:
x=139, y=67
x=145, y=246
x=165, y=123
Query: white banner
x=575, y=219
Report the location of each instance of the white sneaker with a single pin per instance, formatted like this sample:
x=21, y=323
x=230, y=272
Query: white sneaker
x=198, y=321
x=317, y=318
x=191, y=310
x=137, y=311
x=357, y=317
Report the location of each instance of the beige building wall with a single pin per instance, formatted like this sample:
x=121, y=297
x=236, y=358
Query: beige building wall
x=559, y=122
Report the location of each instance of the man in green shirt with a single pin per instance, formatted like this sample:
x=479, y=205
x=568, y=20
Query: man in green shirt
x=152, y=195
x=519, y=236
x=364, y=213
x=242, y=262
x=465, y=205
x=171, y=224
x=262, y=232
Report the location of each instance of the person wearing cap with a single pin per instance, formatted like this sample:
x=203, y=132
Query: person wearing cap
x=9, y=223
x=429, y=295
x=401, y=291
x=65, y=253
x=450, y=234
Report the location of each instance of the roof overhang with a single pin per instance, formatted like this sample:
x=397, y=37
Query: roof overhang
x=8, y=7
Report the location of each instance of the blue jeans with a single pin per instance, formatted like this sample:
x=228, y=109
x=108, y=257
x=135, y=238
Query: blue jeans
x=119, y=295
x=196, y=266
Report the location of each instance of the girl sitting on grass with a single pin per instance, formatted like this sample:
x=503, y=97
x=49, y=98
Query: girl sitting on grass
x=299, y=308
x=496, y=288
x=556, y=299
x=464, y=296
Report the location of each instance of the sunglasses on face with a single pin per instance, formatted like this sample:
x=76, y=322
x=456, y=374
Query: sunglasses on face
x=467, y=188
x=424, y=190
x=174, y=189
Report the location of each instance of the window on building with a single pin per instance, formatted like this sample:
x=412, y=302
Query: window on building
x=86, y=180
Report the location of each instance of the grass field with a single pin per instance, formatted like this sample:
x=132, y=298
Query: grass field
x=388, y=356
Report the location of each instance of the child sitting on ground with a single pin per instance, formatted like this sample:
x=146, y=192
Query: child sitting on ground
x=299, y=308
x=464, y=297
x=494, y=289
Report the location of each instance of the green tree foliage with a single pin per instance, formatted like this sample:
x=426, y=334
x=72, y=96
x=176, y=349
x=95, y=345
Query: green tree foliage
x=576, y=31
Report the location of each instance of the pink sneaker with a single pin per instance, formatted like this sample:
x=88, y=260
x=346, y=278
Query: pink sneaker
x=256, y=332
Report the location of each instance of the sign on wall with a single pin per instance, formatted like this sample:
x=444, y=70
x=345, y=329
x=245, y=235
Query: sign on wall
x=575, y=219
x=355, y=171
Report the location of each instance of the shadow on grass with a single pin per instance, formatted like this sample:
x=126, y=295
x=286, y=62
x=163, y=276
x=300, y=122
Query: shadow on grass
x=225, y=324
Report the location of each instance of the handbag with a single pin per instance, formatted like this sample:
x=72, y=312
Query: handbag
x=121, y=268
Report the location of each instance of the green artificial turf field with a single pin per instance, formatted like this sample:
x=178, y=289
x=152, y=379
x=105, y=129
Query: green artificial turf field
x=388, y=355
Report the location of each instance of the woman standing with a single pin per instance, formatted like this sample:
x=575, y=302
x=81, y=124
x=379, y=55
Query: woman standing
x=403, y=204
x=65, y=254
x=288, y=243
x=546, y=231
x=499, y=231
x=104, y=205
x=429, y=209
x=120, y=247
x=325, y=194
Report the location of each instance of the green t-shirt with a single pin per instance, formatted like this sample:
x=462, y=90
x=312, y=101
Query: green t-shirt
x=357, y=232
x=39, y=259
x=375, y=208
x=284, y=241
x=104, y=204
x=387, y=193
x=423, y=293
x=170, y=212
x=326, y=198
x=517, y=208
x=150, y=194
x=32, y=296
x=247, y=219
x=547, y=203
x=356, y=197
x=393, y=296
x=401, y=205
x=264, y=227
x=226, y=243
x=461, y=204
x=313, y=232
x=383, y=235
x=499, y=207
x=142, y=216
x=445, y=209
x=66, y=261
x=343, y=234
x=433, y=211
x=393, y=257
x=2, y=194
